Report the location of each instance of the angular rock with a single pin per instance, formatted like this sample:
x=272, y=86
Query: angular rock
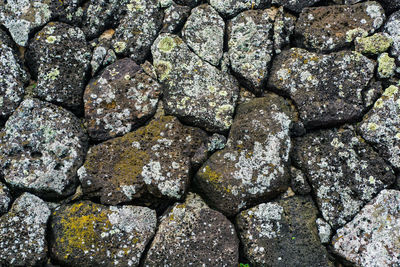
x=373, y=45
x=344, y=172
x=329, y=28
x=191, y=3
x=154, y=159
x=299, y=182
x=282, y=233
x=138, y=29
x=174, y=18
x=386, y=66
x=372, y=237
x=119, y=100
x=204, y=33
x=42, y=147
x=13, y=77
x=324, y=230
x=283, y=29
x=89, y=234
x=59, y=59
x=230, y=8
x=23, y=232
x=380, y=126
x=196, y=92
x=392, y=28
x=102, y=55
x=193, y=234
x=391, y=5
x=253, y=165
x=5, y=198
x=296, y=5
x=327, y=89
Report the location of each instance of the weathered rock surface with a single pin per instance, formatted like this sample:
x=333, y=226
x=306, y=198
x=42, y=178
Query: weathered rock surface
x=204, y=33
x=154, y=159
x=386, y=66
x=23, y=232
x=373, y=45
x=5, y=198
x=391, y=5
x=89, y=234
x=329, y=28
x=253, y=165
x=174, y=18
x=196, y=92
x=372, y=237
x=42, y=147
x=327, y=88
x=324, y=230
x=230, y=8
x=119, y=100
x=102, y=53
x=59, y=59
x=191, y=3
x=392, y=28
x=295, y=5
x=344, y=172
x=299, y=182
x=193, y=234
x=282, y=233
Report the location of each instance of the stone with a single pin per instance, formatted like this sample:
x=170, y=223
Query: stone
x=102, y=53
x=299, y=182
x=283, y=29
x=373, y=45
x=154, y=159
x=253, y=166
x=327, y=89
x=23, y=232
x=372, y=237
x=344, y=172
x=5, y=198
x=324, y=230
x=230, y=8
x=59, y=58
x=380, y=126
x=296, y=5
x=195, y=91
x=392, y=28
x=282, y=233
x=191, y=3
x=386, y=66
x=89, y=234
x=204, y=34
x=329, y=28
x=13, y=77
x=193, y=234
x=391, y=5
x=138, y=29
x=42, y=147
x=174, y=18
x=120, y=99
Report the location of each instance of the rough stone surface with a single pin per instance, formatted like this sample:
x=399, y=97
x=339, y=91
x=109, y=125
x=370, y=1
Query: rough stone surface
x=5, y=198
x=119, y=100
x=373, y=45
x=13, y=77
x=386, y=66
x=59, y=59
x=193, y=234
x=196, y=92
x=174, y=18
x=23, y=232
x=253, y=165
x=191, y=3
x=327, y=88
x=299, y=182
x=295, y=5
x=42, y=147
x=102, y=53
x=230, y=8
x=282, y=233
x=324, y=230
x=391, y=5
x=330, y=28
x=372, y=237
x=392, y=28
x=344, y=172
x=89, y=234
x=204, y=33
x=154, y=159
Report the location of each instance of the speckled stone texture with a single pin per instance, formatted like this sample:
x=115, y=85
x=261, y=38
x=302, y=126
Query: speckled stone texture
x=295, y=5
x=23, y=232
x=230, y=8
x=192, y=234
x=392, y=28
x=5, y=198
x=175, y=17
x=89, y=234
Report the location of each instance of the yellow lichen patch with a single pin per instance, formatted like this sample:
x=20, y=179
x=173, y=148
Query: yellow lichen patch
x=166, y=44
x=372, y=126
x=211, y=175
x=390, y=91
x=379, y=103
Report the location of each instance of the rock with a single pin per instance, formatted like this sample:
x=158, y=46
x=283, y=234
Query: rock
x=59, y=59
x=386, y=66
x=344, y=172
x=214, y=143
x=299, y=182
x=102, y=55
x=392, y=28
x=283, y=29
x=5, y=198
x=373, y=45
x=138, y=29
x=204, y=34
x=327, y=89
x=296, y=5
x=154, y=159
x=42, y=147
x=324, y=230
x=391, y=5
x=196, y=92
x=372, y=237
x=68, y=11
x=253, y=166
x=13, y=77
x=191, y=3
x=282, y=233
x=165, y=3
x=193, y=234
x=329, y=28
x=23, y=232
x=380, y=126
x=119, y=100
x=22, y=17
x=89, y=234
x=230, y=8
x=174, y=18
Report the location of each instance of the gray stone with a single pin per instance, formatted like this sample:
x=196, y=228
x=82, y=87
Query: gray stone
x=102, y=54
x=324, y=230
x=253, y=166
x=193, y=234
x=23, y=232
x=391, y=5
x=299, y=182
x=5, y=198
x=196, y=92
x=174, y=18
x=282, y=233
x=191, y=3
x=372, y=237
x=204, y=33
x=42, y=147
x=344, y=172
x=392, y=28
x=295, y=5
x=230, y=8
